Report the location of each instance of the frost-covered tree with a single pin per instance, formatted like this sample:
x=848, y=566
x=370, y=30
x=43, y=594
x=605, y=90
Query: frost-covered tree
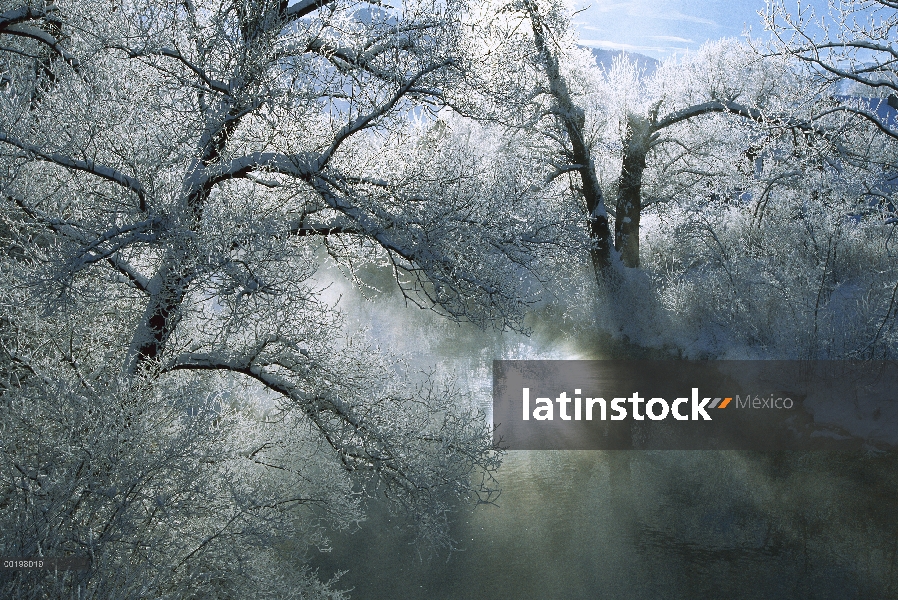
x=849, y=48
x=689, y=120
x=848, y=54
x=568, y=128
x=589, y=118
x=768, y=236
x=172, y=176
x=699, y=122
x=518, y=78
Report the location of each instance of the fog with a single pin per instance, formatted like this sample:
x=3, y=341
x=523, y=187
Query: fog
x=619, y=524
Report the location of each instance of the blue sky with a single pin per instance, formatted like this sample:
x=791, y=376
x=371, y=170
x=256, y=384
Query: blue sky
x=660, y=28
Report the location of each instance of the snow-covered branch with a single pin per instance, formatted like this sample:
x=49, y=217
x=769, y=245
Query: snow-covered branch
x=87, y=166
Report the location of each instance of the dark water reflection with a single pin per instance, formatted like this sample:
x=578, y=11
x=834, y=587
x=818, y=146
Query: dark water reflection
x=659, y=525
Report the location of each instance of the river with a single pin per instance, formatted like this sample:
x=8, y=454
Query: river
x=651, y=524
x=631, y=525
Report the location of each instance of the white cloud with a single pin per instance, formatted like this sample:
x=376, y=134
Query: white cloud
x=670, y=38
x=618, y=6
x=678, y=16
x=609, y=45
x=653, y=10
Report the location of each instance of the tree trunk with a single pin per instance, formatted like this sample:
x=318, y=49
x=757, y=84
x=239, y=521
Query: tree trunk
x=169, y=287
x=163, y=313
x=629, y=190
x=599, y=227
x=573, y=119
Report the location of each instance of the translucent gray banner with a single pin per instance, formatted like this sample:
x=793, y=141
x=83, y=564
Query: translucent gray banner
x=695, y=405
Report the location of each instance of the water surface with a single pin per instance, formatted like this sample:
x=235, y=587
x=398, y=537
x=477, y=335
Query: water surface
x=652, y=524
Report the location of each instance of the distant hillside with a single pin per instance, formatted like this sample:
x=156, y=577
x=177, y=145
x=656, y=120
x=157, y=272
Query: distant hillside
x=604, y=58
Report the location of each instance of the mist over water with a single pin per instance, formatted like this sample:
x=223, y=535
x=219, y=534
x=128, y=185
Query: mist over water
x=624, y=524
x=689, y=524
